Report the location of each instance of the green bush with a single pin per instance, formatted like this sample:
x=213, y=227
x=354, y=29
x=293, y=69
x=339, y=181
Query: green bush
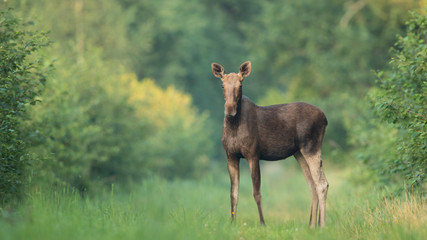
x=179, y=142
x=400, y=100
x=22, y=76
x=95, y=128
x=83, y=133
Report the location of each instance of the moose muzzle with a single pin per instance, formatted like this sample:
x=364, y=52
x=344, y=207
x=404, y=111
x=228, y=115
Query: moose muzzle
x=230, y=109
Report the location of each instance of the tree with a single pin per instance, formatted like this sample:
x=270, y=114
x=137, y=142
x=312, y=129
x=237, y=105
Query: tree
x=86, y=131
x=401, y=98
x=80, y=126
x=22, y=77
x=179, y=142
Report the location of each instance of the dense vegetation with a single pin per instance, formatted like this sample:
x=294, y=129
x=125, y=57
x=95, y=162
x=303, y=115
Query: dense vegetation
x=108, y=94
x=401, y=100
x=22, y=76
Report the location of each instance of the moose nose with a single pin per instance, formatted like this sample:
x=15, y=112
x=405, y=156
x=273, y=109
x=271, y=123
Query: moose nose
x=230, y=110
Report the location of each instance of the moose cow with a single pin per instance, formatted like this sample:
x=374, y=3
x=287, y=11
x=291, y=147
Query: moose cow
x=271, y=133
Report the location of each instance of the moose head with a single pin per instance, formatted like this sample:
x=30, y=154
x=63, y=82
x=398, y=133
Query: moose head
x=232, y=86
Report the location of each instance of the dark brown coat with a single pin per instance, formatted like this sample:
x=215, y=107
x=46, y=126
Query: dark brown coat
x=273, y=132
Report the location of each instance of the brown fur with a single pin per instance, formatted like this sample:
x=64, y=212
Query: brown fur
x=271, y=133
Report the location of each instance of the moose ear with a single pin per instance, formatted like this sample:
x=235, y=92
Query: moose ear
x=245, y=69
x=217, y=70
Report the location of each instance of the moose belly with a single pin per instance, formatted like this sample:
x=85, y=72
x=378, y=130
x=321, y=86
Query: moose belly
x=277, y=149
x=279, y=155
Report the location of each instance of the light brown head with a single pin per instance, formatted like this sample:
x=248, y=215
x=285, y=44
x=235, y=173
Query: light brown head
x=232, y=86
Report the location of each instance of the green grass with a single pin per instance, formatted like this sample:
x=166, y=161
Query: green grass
x=160, y=209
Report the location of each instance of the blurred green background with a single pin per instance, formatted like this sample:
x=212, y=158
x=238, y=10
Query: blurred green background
x=105, y=92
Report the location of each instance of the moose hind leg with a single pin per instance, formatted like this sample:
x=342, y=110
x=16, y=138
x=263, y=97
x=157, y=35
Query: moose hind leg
x=314, y=162
x=325, y=187
x=314, y=197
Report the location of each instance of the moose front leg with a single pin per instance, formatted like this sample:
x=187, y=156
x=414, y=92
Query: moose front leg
x=233, y=170
x=256, y=183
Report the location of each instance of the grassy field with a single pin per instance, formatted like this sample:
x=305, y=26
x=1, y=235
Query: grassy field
x=160, y=209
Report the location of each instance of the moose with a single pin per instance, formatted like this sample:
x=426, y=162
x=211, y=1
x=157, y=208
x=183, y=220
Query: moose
x=271, y=133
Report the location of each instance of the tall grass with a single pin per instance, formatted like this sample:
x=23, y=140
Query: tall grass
x=160, y=209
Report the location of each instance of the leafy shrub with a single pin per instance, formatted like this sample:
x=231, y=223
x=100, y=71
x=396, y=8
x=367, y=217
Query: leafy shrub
x=100, y=127
x=22, y=76
x=401, y=101
x=81, y=127
x=180, y=141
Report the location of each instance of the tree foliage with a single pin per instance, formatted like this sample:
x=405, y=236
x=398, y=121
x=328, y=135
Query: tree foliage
x=95, y=126
x=80, y=126
x=100, y=127
x=22, y=76
x=179, y=143
x=401, y=100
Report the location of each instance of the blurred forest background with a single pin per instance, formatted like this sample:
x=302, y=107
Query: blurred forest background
x=112, y=91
